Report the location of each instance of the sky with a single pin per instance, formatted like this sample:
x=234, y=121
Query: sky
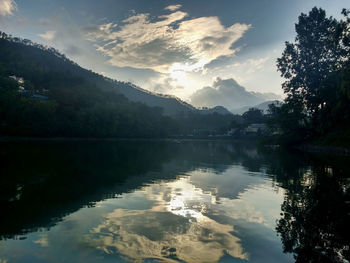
x=200, y=51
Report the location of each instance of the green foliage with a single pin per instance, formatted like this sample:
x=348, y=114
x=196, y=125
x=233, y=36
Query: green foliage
x=80, y=102
x=253, y=115
x=308, y=61
x=196, y=124
x=316, y=69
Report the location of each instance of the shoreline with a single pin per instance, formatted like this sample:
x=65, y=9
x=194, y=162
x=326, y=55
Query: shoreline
x=333, y=150
x=92, y=139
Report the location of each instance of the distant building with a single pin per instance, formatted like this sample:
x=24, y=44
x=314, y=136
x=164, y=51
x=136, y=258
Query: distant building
x=23, y=91
x=20, y=80
x=40, y=97
x=255, y=128
x=231, y=132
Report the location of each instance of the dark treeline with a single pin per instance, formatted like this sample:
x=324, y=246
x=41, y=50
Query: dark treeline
x=192, y=123
x=76, y=102
x=59, y=98
x=317, y=87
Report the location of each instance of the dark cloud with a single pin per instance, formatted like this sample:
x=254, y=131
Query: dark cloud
x=227, y=185
x=228, y=93
x=91, y=28
x=220, y=62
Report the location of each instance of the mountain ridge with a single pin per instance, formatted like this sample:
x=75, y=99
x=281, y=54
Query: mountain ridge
x=43, y=93
x=171, y=105
x=264, y=106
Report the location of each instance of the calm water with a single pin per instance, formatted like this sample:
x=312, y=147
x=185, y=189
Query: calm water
x=170, y=202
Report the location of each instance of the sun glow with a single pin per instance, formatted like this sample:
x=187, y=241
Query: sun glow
x=179, y=207
x=180, y=76
x=180, y=199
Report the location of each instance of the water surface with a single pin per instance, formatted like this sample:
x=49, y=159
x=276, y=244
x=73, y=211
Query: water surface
x=157, y=201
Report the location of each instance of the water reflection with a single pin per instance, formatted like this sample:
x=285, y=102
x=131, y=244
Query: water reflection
x=163, y=201
x=176, y=227
x=162, y=235
x=315, y=215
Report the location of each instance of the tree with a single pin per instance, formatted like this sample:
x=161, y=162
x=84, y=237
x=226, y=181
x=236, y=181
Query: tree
x=306, y=63
x=253, y=115
x=316, y=68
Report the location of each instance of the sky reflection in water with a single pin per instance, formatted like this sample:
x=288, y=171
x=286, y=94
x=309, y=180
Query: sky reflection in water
x=172, y=221
x=193, y=209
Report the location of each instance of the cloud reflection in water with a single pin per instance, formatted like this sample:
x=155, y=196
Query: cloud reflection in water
x=178, y=226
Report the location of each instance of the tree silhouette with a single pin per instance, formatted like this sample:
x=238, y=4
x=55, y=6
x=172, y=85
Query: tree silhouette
x=316, y=68
x=308, y=61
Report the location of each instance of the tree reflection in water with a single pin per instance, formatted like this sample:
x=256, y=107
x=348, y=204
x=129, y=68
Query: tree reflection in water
x=315, y=211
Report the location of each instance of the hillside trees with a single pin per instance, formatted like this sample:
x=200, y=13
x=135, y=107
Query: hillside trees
x=253, y=115
x=79, y=103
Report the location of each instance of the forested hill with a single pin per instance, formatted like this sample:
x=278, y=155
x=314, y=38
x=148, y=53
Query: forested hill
x=171, y=105
x=43, y=93
x=37, y=64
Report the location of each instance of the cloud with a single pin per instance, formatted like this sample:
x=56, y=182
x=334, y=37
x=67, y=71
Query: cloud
x=48, y=35
x=72, y=50
x=166, y=43
x=252, y=65
x=246, y=65
x=172, y=7
x=164, y=83
x=228, y=93
x=7, y=7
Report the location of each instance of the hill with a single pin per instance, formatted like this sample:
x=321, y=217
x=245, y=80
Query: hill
x=218, y=109
x=43, y=93
x=171, y=105
x=49, y=95
x=31, y=61
x=261, y=106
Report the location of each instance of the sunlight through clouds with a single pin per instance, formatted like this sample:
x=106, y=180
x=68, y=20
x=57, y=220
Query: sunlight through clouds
x=48, y=35
x=172, y=7
x=166, y=43
x=7, y=7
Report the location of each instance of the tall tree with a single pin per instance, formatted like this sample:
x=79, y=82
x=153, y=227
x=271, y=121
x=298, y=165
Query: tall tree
x=306, y=63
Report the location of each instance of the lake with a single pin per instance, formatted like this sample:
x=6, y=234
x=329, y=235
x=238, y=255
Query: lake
x=171, y=201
